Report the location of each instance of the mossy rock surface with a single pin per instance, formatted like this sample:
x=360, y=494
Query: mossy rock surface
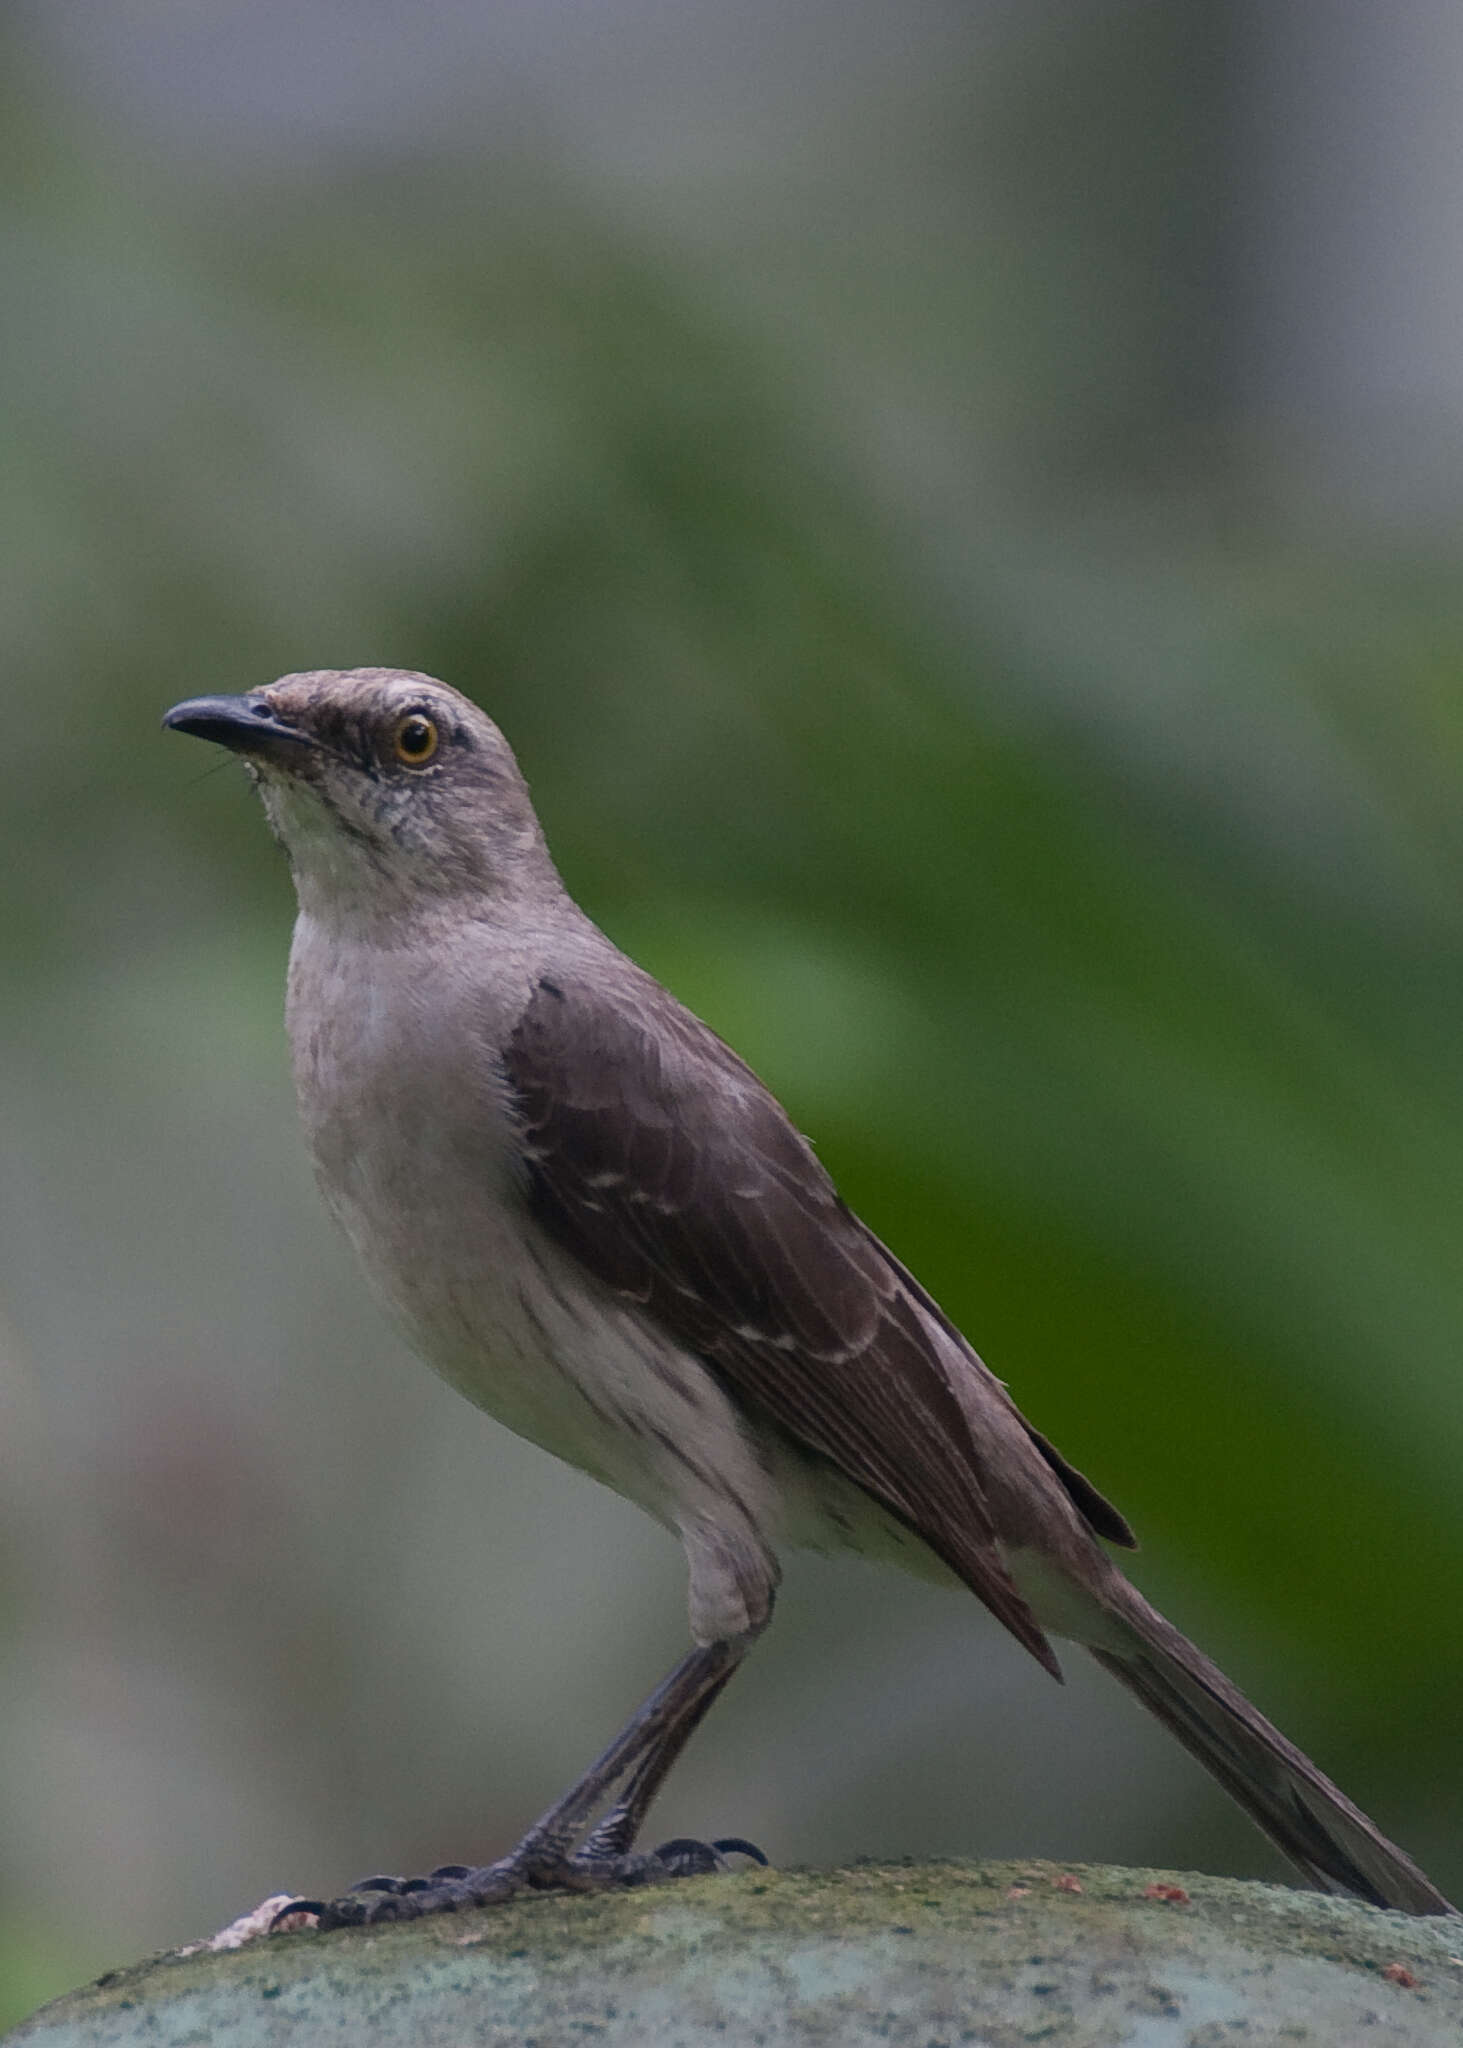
x=929, y=1955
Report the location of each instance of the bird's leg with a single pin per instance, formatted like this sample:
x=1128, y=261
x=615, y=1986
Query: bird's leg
x=615, y=1837
x=645, y=1747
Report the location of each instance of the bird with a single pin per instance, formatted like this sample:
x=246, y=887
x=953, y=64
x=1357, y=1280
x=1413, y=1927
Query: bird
x=589, y=1215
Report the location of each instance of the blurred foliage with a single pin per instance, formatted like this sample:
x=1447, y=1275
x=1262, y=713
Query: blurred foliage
x=1073, y=842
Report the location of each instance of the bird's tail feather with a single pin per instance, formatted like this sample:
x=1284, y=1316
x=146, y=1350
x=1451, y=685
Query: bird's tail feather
x=1307, y=1817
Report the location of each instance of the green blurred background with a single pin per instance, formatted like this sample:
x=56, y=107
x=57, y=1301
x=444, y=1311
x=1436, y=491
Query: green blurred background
x=958, y=508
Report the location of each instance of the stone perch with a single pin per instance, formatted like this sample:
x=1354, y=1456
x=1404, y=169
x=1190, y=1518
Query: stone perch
x=929, y=1955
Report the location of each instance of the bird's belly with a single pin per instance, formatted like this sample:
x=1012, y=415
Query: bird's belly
x=413, y=1161
x=417, y=1164
x=495, y=1320
x=500, y=1312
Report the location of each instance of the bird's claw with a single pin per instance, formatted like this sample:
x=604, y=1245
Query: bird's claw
x=456, y=1887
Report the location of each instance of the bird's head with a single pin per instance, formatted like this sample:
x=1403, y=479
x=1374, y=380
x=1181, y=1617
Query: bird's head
x=386, y=788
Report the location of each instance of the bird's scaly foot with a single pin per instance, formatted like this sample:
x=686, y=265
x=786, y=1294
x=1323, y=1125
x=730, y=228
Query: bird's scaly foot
x=456, y=1888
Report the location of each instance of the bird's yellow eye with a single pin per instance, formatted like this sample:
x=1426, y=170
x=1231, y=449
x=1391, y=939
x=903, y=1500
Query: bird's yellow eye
x=415, y=740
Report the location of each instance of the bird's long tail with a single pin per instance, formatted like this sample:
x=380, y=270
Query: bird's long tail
x=1307, y=1817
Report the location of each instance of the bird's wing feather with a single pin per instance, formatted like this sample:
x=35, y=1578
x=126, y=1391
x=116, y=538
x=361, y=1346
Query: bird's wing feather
x=656, y=1157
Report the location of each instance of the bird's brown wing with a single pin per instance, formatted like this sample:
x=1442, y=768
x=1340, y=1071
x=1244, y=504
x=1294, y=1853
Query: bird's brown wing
x=659, y=1160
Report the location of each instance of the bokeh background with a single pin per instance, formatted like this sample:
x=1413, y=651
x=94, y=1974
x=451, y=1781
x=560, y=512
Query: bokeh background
x=958, y=506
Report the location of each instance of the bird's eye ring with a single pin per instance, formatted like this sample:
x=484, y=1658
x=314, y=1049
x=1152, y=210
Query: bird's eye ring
x=415, y=740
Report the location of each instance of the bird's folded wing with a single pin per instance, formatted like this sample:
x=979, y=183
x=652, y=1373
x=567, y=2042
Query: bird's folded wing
x=659, y=1160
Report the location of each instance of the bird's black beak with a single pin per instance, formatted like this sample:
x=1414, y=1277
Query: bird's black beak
x=244, y=724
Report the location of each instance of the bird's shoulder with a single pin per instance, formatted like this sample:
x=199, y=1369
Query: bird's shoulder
x=613, y=1071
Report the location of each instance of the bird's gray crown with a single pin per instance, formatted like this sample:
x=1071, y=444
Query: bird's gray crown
x=384, y=786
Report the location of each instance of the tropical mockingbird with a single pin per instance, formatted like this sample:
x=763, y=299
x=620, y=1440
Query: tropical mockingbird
x=594, y=1220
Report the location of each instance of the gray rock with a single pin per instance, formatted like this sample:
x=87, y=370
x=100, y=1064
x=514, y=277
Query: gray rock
x=929, y=1955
